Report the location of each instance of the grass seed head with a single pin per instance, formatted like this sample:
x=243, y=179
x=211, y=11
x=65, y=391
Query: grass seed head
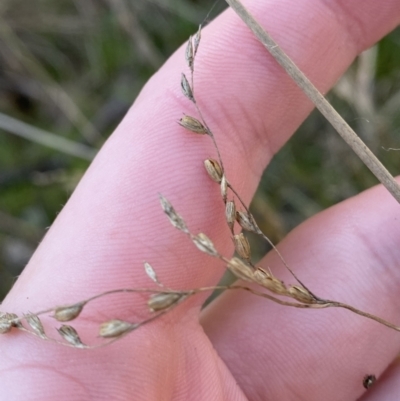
x=260, y=275
x=246, y=221
x=189, y=53
x=186, y=89
x=69, y=334
x=68, y=313
x=116, y=328
x=35, y=324
x=213, y=169
x=193, y=124
x=270, y=282
x=242, y=246
x=196, y=40
x=230, y=214
x=204, y=244
x=175, y=219
x=163, y=300
x=241, y=269
x=224, y=188
x=301, y=294
x=151, y=273
x=5, y=323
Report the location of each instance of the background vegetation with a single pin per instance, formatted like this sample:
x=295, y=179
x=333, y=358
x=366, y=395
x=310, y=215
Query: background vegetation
x=69, y=71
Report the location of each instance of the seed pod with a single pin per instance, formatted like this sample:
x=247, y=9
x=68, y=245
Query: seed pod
x=196, y=40
x=5, y=323
x=246, y=221
x=204, y=244
x=163, y=300
x=230, y=214
x=242, y=246
x=261, y=276
x=151, y=273
x=301, y=294
x=214, y=170
x=192, y=124
x=14, y=320
x=270, y=282
x=174, y=218
x=36, y=325
x=116, y=328
x=68, y=313
x=241, y=269
x=189, y=53
x=70, y=335
x=224, y=188
x=186, y=89
x=275, y=285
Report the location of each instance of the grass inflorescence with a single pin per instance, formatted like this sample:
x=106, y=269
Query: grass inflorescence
x=160, y=299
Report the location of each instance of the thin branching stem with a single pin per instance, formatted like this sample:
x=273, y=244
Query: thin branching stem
x=212, y=136
x=259, y=232
x=163, y=299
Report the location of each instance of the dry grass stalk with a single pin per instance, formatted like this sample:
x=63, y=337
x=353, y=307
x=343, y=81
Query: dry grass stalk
x=340, y=125
x=162, y=299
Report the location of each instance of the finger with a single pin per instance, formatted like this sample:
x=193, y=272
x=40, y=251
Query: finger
x=348, y=253
x=113, y=222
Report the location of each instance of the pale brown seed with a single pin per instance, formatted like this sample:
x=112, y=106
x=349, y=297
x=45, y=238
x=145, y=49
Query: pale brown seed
x=175, y=219
x=246, y=221
x=5, y=323
x=151, y=273
x=116, y=328
x=69, y=334
x=163, y=300
x=301, y=294
x=189, y=53
x=242, y=246
x=196, y=40
x=230, y=214
x=204, y=244
x=36, y=325
x=8, y=321
x=270, y=282
x=192, y=124
x=214, y=170
x=278, y=286
x=68, y=313
x=15, y=322
x=224, y=188
x=241, y=269
x=186, y=89
x=260, y=276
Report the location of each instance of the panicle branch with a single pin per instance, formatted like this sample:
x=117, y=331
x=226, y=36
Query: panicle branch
x=161, y=300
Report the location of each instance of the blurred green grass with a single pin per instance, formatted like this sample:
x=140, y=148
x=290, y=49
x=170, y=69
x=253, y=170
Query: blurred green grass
x=73, y=68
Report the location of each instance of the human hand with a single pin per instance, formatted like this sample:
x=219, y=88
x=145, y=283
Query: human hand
x=245, y=347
